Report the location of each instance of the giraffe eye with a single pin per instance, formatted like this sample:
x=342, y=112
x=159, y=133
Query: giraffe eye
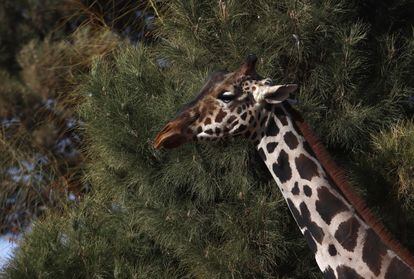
x=226, y=96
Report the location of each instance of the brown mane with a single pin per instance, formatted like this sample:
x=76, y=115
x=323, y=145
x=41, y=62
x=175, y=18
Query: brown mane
x=339, y=178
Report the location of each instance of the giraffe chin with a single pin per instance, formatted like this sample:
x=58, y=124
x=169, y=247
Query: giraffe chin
x=169, y=141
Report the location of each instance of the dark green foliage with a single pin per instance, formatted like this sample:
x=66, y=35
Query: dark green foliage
x=41, y=60
x=128, y=18
x=385, y=175
x=40, y=138
x=350, y=83
x=22, y=21
x=194, y=202
x=205, y=212
x=211, y=210
x=394, y=156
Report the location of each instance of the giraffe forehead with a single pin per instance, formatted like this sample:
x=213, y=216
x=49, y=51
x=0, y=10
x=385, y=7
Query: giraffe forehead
x=208, y=95
x=229, y=82
x=205, y=104
x=209, y=100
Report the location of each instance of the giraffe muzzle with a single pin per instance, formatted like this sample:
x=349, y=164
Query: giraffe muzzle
x=169, y=137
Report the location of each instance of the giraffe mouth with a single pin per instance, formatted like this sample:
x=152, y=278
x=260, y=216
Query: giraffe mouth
x=169, y=137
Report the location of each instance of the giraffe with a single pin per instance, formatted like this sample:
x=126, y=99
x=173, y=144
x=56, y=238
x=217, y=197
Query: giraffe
x=346, y=239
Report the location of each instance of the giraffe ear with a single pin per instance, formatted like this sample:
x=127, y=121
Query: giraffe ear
x=278, y=93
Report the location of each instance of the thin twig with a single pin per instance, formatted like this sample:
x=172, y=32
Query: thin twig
x=156, y=11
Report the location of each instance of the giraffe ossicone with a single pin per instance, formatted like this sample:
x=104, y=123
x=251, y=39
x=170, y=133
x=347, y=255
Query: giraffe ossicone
x=241, y=103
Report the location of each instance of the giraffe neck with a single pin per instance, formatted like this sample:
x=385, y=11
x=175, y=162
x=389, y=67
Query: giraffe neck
x=343, y=244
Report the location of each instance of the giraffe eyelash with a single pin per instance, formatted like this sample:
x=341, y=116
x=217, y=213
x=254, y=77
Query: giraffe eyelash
x=226, y=96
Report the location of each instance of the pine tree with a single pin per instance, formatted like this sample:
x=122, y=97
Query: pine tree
x=40, y=139
x=22, y=21
x=211, y=210
x=21, y=111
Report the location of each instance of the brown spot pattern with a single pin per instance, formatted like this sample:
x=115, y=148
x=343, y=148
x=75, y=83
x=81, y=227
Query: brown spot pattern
x=295, y=189
x=398, y=269
x=307, y=147
x=332, y=250
x=307, y=190
x=231, y=119
x=240, y=129
x=302, y=218
x=328, y=205
x=291, y=140
x=282, y=168
x=220, y=115
x=243, y=116
x=283, y=120
x=281, y=116
x=271, y=146
x=345, y=272
x=373, y=251
x=272, y=129
x=328, y=273
x=313, y=228
x=234, y=124
x=306, y=167
x=311, y=242
x=278, y=111
x=347, y=233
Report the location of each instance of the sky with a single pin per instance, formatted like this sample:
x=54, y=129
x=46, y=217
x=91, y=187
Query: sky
x=8, y=244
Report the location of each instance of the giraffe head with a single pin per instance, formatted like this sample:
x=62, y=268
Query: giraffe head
x=228, y=105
